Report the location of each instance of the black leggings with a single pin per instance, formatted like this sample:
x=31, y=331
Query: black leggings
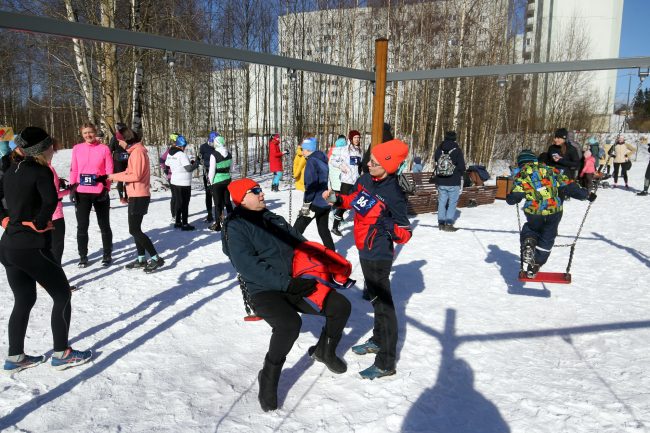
x=282, y=315
x=346, y=189
x=620, y=166
x=58, y=239
x=102, y=205
x=322, y=222
x=181, y=196
x=208, y=195
x=138, y=208
x=376, y=274
x=221, y=198
x=24, y=268
x=121, y=190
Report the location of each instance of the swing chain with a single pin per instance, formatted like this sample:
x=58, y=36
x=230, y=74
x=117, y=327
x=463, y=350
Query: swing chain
x=247, y=297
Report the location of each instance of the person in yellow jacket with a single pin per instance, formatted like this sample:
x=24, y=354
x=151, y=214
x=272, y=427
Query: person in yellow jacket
x=299, y=163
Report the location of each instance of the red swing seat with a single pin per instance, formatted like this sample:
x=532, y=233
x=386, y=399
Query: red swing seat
x=547, y=277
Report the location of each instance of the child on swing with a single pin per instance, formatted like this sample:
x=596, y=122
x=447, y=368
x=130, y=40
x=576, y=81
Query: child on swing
x=543, y=187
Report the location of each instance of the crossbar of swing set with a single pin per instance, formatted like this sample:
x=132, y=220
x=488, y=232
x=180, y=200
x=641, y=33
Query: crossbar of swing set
x=51, y=26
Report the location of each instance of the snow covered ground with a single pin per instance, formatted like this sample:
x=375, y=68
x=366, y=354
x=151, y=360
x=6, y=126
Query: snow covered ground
x=478, y=350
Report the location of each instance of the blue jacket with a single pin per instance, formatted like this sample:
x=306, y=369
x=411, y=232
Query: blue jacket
x=458, y=160
x=260, y=246
x=316, y=177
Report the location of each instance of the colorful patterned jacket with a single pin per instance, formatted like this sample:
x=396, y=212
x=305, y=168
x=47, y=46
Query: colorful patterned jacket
x=543, y=187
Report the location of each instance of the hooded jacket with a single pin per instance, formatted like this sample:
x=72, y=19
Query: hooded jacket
x=138, y=173
x=316, y=178
x=299, y=163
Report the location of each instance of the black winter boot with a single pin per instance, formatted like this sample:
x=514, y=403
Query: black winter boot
x=325, y=351
x=268, y=377
x=335, y=227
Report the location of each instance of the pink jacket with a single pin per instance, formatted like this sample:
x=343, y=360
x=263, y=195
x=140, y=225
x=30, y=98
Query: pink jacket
x=589, y=166
x=58, y=213
x=137, y=173
x=91, y=158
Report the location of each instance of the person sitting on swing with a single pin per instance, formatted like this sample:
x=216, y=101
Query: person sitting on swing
x=543, y=187
x=261, y=246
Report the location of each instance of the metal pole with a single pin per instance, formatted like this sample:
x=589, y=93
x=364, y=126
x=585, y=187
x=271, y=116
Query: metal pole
x=379, y=98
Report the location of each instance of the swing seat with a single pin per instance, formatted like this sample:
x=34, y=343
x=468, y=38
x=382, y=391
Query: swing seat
x=252, y=318
x=547, y=277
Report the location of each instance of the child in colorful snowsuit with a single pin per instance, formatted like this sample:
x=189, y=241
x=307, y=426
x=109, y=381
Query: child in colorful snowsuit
x=542, y=187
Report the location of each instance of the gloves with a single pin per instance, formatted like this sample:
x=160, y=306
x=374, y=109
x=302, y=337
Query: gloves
x=301, y=287
x=63, y=184
x=592, y=196
x=101, y=178
x=5, y=222
x=306, y=211
x=31, y=225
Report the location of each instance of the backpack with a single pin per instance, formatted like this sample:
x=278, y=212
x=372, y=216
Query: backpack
x=445, y=166
x=404, y=183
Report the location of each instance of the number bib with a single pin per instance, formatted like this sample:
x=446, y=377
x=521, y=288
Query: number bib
x=363, y=202
x=123, y=156
x=87, y=180
x=355, y=160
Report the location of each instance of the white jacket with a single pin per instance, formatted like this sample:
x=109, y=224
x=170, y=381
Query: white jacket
x=177, y=163
x=349, y=165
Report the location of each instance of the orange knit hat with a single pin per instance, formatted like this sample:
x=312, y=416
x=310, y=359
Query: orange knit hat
x=239, y=187
x=391, y=154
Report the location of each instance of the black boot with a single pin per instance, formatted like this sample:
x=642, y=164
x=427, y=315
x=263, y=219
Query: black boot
x=268, y=377
x=335, y=227
x=325, y=351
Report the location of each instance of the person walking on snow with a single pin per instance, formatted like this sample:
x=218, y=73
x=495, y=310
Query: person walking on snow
x=348, y=161
x=449, y=155
x=28, y=191
x=275, y=161
x=137, y=177
x=219, y=175
x=261, y=245
x=91, y=163
x=314, y=206
x=181, y=181
x=380, y=221
x=543, y=187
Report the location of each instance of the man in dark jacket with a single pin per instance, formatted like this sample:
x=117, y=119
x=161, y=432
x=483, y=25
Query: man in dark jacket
x=120, y=161
x=260, y=245
x=448, y=181
x=316, y=181
x=206, y=150
x=563, y=155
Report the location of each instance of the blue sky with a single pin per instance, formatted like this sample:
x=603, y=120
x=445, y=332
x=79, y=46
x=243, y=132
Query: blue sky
x=634, y=42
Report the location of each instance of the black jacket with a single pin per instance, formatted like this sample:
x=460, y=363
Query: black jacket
x=260, y=247
x=570, y=162
x=456, y=157
x=206, y=151
x=120, y=156
x=28, y=189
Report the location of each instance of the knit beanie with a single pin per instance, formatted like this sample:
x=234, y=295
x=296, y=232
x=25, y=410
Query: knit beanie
x=211, y=137
x=352, y=134
x=390, y=154
x=561, y=133
x=526, y=156
x=340, y=142
x=220, y=141
x=309, y=144
x=180, y=141
x=33, y=140
x=450, y=136
x=417, y=160
x=587, y=154
x=238, y=189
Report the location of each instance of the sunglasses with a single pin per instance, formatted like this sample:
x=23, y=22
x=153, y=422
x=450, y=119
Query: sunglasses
x=257, y=190
x=373, y=163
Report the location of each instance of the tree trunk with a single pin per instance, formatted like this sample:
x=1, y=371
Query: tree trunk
x=82, y=66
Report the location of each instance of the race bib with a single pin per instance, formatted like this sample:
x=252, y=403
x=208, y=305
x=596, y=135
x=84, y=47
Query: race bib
x=363, y=202
x=355, y=160
x=123, y=156
x=87, y=180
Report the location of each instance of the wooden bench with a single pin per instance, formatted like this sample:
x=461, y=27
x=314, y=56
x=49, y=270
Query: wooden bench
x=425, y=199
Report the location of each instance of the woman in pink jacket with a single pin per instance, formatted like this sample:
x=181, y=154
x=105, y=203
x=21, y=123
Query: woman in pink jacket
x=91, y=163
x=137, y=177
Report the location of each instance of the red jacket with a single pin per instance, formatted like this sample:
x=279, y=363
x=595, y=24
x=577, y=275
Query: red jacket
x=380, y=217
x=328, y=268
x=275, y=155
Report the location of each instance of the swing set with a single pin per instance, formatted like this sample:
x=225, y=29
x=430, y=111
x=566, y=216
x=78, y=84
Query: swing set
x=379, y=77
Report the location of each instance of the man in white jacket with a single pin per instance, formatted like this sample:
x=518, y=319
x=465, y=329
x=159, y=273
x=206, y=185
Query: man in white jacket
x=181, y=168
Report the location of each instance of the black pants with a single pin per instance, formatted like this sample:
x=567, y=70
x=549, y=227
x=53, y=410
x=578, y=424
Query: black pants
x=376, y=274
x=102, y=205
x=181, y=196
x=543, y=228
x=620, y=166
x=172, y=202
x=221, y=198
x=138, y=208
x=121, y=190
x=346, y=189
x=58, y=239
x=321, y=214
x=282, y=315
x=208, y=196
x=24, y=268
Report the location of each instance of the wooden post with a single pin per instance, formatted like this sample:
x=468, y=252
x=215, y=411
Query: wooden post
x=379, y=98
